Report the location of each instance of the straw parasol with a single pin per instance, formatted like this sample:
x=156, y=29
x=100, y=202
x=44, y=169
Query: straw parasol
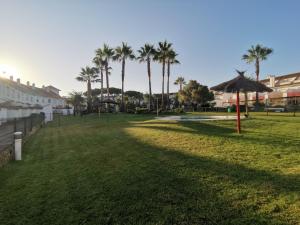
x=238, y=84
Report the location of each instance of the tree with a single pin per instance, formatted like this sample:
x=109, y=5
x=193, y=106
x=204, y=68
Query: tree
x=88, y=75
x=180, y=81
x=194, y=94
x=122, y=53
x=161, y=56
x=100, y=63
x=257, y=54
x=171, y=59
x=108, y=54
x=134, y=95
x=146, y=54
x=76, y=99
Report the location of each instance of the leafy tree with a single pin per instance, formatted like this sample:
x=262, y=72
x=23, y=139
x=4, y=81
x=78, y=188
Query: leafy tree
x=161, y=56
x=108, y=54
x=180, y=81
x=146, y=54
x=77, y=100
x=194, y=94
x=257, y=54
x=134, y=95
x=88, y=75
x=122, y=53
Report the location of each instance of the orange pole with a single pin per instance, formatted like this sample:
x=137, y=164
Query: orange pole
x=238, y=127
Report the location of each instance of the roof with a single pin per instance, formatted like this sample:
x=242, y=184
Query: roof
x=241, y=83
x=19, y=105
x=36, y=91
x=50, y=86
x=292, y=75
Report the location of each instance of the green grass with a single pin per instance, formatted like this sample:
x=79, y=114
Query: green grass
x=131, y=169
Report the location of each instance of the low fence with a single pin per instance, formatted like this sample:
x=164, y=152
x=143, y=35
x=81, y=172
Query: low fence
x=7, y=128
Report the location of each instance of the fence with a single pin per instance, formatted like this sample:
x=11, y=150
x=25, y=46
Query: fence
x=7, y=128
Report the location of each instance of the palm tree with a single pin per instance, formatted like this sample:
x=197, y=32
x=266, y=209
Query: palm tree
x=146, y=54
x=88, y=75
x=122, y=53
x=180, y=81
x=108, y=54
x=171, y=59
x=76, y=99
x=100, y=63
x=257, y=54
x=161, y=56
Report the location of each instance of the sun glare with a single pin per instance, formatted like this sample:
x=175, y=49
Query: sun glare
x=7, y=70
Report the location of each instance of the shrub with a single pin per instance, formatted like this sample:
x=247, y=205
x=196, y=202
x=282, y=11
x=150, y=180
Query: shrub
x=139, y=110
x=178, y=110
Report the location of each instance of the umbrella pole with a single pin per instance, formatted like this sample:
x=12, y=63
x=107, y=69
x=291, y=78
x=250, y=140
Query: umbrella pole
x=238, y=127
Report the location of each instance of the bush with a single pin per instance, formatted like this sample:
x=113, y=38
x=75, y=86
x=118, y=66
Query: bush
x=139, y=110
x=178, y=110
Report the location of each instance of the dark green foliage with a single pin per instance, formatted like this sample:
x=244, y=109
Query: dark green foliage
x=139, y=110
x=194, y=93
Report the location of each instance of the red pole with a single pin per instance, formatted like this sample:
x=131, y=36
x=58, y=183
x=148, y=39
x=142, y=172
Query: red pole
x=238, y=127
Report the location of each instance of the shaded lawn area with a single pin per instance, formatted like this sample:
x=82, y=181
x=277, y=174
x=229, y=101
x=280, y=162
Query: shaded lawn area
x=131, y=169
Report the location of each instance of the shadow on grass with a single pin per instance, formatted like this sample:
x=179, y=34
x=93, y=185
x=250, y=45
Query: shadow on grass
x=132, y=182
x=162, y=186
x=210, y=129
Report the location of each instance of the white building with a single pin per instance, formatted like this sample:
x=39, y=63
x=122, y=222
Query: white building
x=20, y=100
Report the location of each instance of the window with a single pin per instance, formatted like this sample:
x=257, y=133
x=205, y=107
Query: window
x=49, y=100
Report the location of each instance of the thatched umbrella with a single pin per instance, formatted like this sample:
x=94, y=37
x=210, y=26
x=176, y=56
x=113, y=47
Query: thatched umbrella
x=238, y=84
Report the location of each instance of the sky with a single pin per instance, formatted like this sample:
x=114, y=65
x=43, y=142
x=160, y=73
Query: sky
x=47, y=42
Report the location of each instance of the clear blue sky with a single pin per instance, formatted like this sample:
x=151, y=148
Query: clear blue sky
x=48, y=41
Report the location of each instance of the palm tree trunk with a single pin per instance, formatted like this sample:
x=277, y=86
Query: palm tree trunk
x=89, y=104
x=168, y=91
x=149, y=77
x=163, y=85
x=257, y=79
x=180, y=86
x=246, y=103
x=123, y=76
x=107, y=79
x=101, y=91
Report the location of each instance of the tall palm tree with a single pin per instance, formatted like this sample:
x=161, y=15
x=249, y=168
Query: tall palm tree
x=171, y=59
x=88, y=75
x=122, y=53
x=257, y=54
x=108, y=54
x=180, y=81
x=161, y=56
x=146, y=54
x=100, y=63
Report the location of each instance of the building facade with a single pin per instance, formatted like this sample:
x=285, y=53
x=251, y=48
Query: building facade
x=21, y=100
x=286, y=90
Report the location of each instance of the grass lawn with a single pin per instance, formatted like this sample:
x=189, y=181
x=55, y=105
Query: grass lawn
x=131, y=169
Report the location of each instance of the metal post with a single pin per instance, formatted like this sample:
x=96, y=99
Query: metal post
x=18, y=145
x=238, y=112
x=157, y=106
x=25, y=126
x=15, y=124
x=31, y=122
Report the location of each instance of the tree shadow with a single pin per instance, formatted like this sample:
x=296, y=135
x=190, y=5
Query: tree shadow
x=129, y=181
x=210, y=129
x=163, y=186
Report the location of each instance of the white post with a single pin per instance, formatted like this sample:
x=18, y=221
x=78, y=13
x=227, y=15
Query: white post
x=18, y=145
